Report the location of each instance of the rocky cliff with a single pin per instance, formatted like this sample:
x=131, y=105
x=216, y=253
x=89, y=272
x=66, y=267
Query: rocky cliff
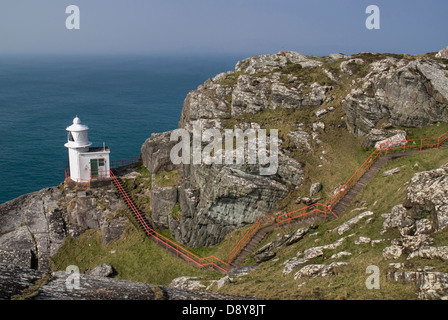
x=33, y=227
x=374, y=93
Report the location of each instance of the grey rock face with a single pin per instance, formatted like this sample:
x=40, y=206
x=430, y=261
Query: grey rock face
x=14, y=279
x=407, y=93
x=427, y=193
x=319, y=270
x=229, y=199
x=103, y=270
x=432, y=285
x=163, y=200
x=271, y=62
x=33, y=227
x=378, y=136
x=422, y=213
x=266, y=252
x=350, y=223
x=443, y=53
x=215, y=199
x=155, y=152
x=315, y=188
x=250, y=95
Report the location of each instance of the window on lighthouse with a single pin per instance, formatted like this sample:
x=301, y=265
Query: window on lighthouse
x=70, y=137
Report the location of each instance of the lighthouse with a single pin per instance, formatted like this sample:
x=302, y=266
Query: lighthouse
x=86, y=163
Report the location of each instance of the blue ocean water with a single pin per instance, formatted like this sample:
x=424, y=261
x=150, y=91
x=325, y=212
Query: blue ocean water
x=123, y=99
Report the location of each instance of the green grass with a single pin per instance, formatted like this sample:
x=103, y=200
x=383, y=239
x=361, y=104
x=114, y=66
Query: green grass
x=134, y=257
x=433, y=131
x=389, y=191
x=167, y=178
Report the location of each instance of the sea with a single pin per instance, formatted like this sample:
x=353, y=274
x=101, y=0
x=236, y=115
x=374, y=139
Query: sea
x=123, y=99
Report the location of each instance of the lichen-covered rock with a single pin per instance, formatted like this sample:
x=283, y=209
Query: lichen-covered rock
x=377, y=136
x=442, y=53
x=103, y=270
x=315, y=188
x=431, y=285
x=33, y=227
x=293, y=263
x=266, y=252
x=391, y=172
x=218, y=199
x=427, y=193
x=155, y=152
x=188, y=283
x=409, y=93
x=429, y=252
x=15, y=278
x=271, y=62
x=319, y=270
x=397, y=218
x=347, y=225
x=163, y=200
x=392, y=252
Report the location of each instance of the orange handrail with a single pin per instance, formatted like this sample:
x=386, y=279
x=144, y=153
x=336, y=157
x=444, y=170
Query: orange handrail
x=303, y=212
x=248, y=235
x=384, y=148
x=125, y=162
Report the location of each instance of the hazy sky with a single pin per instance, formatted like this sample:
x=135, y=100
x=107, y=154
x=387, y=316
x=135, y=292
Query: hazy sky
x=317, y=27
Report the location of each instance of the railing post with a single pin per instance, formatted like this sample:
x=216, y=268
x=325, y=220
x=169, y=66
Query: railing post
x=421, y=144
x=438, y=142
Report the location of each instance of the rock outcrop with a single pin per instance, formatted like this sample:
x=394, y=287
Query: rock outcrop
x=427, y=195
x=443, y=54
x=216, y=200
x=422, y=214
x=266, y=252
x=431, y=285
x=33, y=227
x=408, y=93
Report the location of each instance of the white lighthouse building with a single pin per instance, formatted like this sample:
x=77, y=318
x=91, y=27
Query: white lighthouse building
x=86, y=163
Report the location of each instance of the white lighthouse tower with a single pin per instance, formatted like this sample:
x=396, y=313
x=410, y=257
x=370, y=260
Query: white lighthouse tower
x=86, y=163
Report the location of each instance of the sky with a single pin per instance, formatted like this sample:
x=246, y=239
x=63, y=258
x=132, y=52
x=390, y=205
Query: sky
x=315, y=27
